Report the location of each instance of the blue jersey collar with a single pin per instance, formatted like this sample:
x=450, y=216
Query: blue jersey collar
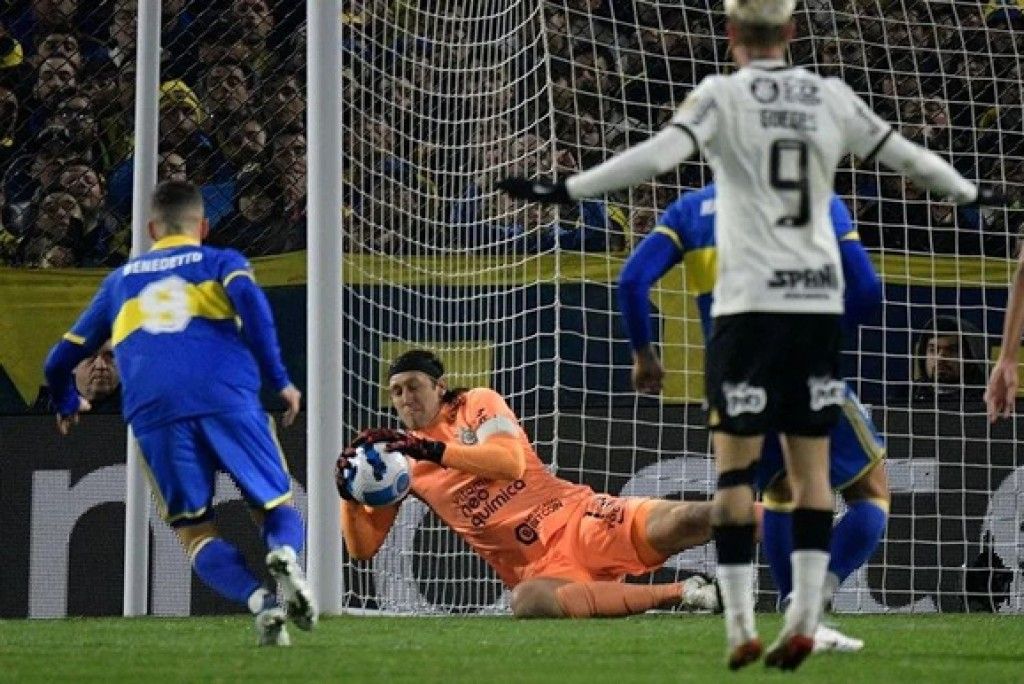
x=172, y=241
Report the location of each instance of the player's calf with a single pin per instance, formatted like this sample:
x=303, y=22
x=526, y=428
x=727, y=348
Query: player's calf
x=734, y=534
x=536, y=598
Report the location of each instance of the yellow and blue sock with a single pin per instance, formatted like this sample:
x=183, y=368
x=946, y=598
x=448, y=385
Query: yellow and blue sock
x=222, y=567
x=857, y=535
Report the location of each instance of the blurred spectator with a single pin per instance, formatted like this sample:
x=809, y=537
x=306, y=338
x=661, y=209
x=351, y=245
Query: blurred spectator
x=226, y=87
x=179, y=41
x=949, y=362
x=171, y=166
x=243, y=140
x=112, y=93
x=660, y=69
x=9, y=130
x=284, y=102
x=256, y=21
x=181, y=118
x=105, y=240
x=590, y=139
x=557, y=31
x=480, y=220
x=218, y=198
x=97, y=380
x=42, y=16
x=74, y=111
x=12, y=56
x=230, y=45
x=258, y=224
x=8, y=240
x=61, y=42
x=594, y=75
x=288, y=161
x=646, y=202
x=54, y=75
x=123, y=31
x=54, y=238
x=38, y=168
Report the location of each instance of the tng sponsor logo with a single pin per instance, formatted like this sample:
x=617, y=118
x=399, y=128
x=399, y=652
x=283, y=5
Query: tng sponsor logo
x=826, y=391
x=824, y=278
x=743, y=398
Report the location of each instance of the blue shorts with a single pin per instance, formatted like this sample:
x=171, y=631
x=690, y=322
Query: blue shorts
x=183, y=458
x=855, y=447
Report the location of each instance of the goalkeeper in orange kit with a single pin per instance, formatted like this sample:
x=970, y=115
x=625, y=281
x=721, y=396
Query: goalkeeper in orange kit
x=561, y=547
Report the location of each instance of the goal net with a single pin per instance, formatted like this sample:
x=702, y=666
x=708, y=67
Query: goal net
x=440, y=104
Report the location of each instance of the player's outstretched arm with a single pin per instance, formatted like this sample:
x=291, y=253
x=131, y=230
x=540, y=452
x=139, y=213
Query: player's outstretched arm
x=1001, y=393
x=653, y=157
x=932, y=172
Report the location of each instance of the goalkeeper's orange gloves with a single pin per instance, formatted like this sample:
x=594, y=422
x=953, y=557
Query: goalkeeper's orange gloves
x=545, y=192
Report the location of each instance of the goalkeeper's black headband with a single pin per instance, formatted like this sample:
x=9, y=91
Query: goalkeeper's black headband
x=417, y=360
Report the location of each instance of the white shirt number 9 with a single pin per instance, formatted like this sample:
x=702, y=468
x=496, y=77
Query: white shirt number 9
x=164, y=306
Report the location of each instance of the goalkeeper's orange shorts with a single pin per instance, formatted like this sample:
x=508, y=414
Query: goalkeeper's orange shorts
x=603, y=540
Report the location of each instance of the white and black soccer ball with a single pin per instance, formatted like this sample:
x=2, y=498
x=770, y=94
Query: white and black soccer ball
x=380, y=477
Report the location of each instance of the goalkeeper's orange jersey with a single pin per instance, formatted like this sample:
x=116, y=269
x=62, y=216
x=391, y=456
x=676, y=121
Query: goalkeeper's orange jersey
x=507, y=522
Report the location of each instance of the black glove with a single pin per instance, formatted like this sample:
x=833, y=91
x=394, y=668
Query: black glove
x=990, y=196
x=545, y=192
x=418, y=448
x=344, y=471
x=375, y=436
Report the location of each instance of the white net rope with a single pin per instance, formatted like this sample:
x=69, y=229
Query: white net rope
x=438, y=105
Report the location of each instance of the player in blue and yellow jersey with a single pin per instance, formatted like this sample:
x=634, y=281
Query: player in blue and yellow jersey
x=686, y=233
x=191, y=331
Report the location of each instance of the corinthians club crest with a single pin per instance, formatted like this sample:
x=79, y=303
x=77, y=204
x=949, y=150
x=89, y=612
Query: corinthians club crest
x=764, y=90
x=467, y=436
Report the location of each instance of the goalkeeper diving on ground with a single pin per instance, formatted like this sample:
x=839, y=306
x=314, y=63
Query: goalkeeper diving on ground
x=685, y=233
x=562, y=548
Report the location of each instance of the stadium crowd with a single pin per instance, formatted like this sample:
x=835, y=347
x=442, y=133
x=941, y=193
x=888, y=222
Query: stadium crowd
x=231, y=118
x=430, y=123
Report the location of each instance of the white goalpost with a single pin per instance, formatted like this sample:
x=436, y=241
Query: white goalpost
x=324, y=341
x=137, y=498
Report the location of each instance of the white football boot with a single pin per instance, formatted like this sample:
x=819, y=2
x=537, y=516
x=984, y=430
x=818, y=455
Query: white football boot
x=270, y=629
x=284, y=567
x=828, y=639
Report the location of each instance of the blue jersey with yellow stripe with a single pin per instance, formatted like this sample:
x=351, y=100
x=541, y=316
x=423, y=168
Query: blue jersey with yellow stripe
x=184, y=321
x=686, y=233
x=690, y=223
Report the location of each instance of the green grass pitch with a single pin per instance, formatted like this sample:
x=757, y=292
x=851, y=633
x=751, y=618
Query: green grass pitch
x=920, y=649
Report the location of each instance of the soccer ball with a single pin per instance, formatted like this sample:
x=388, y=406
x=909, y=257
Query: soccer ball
x=381, y=477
